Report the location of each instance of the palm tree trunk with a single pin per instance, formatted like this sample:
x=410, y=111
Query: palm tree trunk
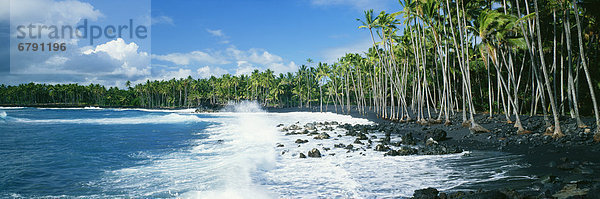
x=571, y=91
x=557, y=131
x=585, y=69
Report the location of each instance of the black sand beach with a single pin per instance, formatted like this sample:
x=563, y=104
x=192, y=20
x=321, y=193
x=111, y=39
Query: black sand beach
x=567, y=167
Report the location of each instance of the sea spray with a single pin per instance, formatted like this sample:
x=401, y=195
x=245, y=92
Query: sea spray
x=243, y=107
x=3, y=115
x=249, y=138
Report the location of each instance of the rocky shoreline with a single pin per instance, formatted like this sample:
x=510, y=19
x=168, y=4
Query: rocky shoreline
x=567, y=167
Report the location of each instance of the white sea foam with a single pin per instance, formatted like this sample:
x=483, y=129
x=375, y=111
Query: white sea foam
x=3, y=115
x=12, y=108
x=150, y=119
x=221, y=166
x=189, y=110
x=239, y=160
x=61, y=108
x=243, y=107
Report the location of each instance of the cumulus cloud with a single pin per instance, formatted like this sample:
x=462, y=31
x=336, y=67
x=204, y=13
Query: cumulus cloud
x=51, y=12
x=245, y=60
x=192, y=57
x=111, y=63
x=177, y=74
x=208, y=71
x=283, y=68
x=133, y=63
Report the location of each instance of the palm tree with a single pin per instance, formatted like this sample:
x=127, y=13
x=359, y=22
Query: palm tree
x=557, y=131
x=587, y=73
x=322, y=74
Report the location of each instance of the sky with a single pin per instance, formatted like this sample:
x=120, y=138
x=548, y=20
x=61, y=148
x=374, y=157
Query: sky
x=184, y=38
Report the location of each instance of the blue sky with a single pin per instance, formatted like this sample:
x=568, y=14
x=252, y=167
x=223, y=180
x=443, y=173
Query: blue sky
x=196, y=38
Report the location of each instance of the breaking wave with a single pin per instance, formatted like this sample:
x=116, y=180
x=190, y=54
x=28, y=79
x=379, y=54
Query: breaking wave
x=243, y=107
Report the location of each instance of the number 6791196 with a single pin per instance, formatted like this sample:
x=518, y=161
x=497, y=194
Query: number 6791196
x=42, y=47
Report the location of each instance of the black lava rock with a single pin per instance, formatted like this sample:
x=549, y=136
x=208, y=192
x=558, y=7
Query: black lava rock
x=436, y=134
x=381, y=147
x=314, y=153
x=429, y=193
x=302, y=155
x=301, y=141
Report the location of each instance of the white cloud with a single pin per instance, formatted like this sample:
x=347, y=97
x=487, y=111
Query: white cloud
x=56, y=60
x=283, y=68
x=246, y=60
x=116, y=49
x=254, y=55
x=207, y=72
x=51, y=12
x=162, y=20
x=192, y=57
x=332, y=54
x=178, y=74
x=4, y=10
x=217, y=33
x=133, y=63
x=358, y=4
x=244, y=68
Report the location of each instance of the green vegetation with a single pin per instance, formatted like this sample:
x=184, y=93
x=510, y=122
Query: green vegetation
x=435, y=58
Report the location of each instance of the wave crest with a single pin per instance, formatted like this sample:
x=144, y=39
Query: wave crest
x=243, y=107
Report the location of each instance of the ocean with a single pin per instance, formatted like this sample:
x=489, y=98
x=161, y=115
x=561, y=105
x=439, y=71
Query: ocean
x=139, y=153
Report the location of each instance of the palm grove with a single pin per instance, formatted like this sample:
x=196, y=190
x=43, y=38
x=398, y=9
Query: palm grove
x=428, y=62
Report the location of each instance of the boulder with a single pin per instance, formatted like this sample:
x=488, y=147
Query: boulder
x=436, y=134
x=300, y=141
x=340, y=145
x=351, y=132
x=430, y=142
x=408, y=139
x=495, y=194
x=381, y=147
x=407, y=151
x=429, y=193
x=310, y=126
x=293, y=127
x=349, y=147
x=571, y=191
x=302, y=155
x=362, y=136
x=357, y=141
x=476, y=128
x=322, y=136
x=391, y=153
x=314, y=153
